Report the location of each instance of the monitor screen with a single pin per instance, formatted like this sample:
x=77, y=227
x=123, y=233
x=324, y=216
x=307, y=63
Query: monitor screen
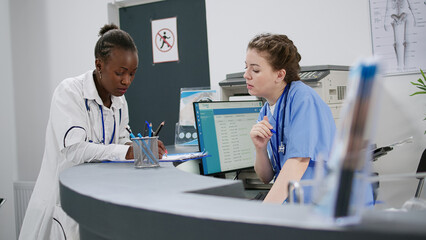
x=224, y=132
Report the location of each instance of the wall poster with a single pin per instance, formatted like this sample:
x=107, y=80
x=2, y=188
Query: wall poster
x=164, y=40
x=398, y=32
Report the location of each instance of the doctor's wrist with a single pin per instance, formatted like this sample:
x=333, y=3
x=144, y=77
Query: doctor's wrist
x=129, y=154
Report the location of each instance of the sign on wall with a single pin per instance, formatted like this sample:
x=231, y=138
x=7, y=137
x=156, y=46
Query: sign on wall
x=164, y=40
x=398, y=30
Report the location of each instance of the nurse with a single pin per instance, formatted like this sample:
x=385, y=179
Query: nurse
x=295, y=125
x=88, y=119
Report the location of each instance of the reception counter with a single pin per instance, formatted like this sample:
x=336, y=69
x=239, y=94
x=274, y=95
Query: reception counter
x=117, y=201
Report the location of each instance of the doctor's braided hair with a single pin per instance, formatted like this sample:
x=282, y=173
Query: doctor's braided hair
x=281, y=53
x=112, y=37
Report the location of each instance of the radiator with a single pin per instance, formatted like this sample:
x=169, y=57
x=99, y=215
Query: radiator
x=22, y=191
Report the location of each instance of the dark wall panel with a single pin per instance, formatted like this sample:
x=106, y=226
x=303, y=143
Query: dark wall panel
x=155, y=93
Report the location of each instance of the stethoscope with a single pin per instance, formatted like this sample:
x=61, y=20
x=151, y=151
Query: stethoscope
x=282, y=147
x=103, y=124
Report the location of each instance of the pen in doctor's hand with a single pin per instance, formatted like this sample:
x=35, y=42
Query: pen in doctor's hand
x=129, y=154
x=130, y=131
x=158, y=129
x=145, y=129
x=272, y=130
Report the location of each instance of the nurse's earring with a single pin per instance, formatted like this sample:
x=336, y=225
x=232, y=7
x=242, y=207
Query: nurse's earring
x=100, y=74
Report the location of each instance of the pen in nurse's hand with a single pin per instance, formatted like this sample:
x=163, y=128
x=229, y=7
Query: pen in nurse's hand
x=272, y=130
x=158, y=129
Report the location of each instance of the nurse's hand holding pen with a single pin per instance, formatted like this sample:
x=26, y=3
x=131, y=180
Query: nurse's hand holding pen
x=261, y=133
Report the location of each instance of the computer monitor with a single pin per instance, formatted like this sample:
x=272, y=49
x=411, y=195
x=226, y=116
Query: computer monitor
x=224, y=132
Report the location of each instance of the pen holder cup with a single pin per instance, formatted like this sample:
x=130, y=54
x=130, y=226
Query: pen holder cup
x=145, y=151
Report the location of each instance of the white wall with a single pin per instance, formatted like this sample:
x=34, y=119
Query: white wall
x=63, y=36
x=31, y=71
x=7, y=129
x=325, y=32
x=52, y=40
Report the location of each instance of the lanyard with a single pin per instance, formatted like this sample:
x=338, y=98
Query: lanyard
x=276, y=150
x=103, y=127
x=103, y=124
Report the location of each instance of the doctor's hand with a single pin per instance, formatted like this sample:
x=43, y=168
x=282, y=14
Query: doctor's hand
x=129, y=154
x=261, y=133
x=161, y=149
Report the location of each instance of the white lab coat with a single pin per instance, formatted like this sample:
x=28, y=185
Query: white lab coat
x=74, y=135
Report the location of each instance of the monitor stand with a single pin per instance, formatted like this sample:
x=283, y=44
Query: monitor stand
x=251, y=181
x=254, y=188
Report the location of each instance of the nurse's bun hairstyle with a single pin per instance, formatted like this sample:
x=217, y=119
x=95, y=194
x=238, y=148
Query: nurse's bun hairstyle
x=112, y=37
x=281, y=53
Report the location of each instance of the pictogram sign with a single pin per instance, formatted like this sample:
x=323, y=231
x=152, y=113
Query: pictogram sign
x=164, y=40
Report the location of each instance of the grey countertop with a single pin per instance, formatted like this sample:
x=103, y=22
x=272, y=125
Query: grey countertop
x=150, y=198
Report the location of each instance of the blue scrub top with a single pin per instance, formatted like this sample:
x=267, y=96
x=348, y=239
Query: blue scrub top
x=309, y=129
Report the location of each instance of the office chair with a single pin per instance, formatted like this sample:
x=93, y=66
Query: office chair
x=421, y=168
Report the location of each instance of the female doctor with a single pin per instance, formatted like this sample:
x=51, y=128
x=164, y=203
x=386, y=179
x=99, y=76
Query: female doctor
x=88, y=119
x=295, y=124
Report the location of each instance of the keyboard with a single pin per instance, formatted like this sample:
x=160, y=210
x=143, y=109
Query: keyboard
x=260, y=196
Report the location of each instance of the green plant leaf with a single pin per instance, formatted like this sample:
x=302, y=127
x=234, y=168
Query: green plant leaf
x=416, y=84
x=417, y=93
x=423, y=88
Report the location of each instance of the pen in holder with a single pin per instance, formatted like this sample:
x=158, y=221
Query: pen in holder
x=145, y=151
